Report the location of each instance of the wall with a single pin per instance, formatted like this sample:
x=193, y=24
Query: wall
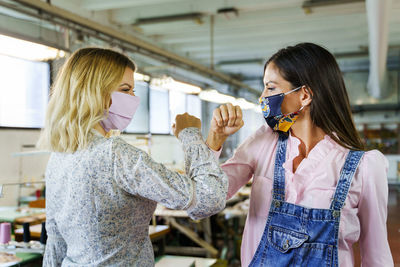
x=19, y=169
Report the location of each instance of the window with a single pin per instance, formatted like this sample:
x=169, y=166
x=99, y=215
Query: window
x=193, y=105
x=24, y=90
x=177, y=105
x=140, y=121
x=159, y=111
x=165, y=105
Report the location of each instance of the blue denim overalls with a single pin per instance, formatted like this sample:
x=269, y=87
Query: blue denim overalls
x=299, y=236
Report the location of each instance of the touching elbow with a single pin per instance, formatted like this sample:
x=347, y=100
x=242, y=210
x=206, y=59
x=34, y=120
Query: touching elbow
x=207, y=205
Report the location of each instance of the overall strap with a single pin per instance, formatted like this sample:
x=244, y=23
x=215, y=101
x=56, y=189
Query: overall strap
x=346, y=177
x=279, y=171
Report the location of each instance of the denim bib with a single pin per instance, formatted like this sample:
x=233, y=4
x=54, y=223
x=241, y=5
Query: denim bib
x=300, y=236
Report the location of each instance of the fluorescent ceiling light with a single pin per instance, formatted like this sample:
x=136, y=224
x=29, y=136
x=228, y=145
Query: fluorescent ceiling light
x=170, y=84
x=244, y=104
x=214, y=96
x=141, y=77
x=28, y=50
x=359, y=102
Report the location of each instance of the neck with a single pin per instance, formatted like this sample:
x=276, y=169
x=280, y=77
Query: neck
x=308, y=134
x=100, y=129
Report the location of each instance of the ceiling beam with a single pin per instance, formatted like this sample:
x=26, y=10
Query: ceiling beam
x=30, y=31
x=258, y=61
x=96, y=5
x=276, y=40
x=287, y=12
x=339, y=51
x=274, y=19
x=319, y=3
x=151, y=8
x=134, y=41
x=125, y=16
x=230, y=54
x=265, y=39
x=305, y=27
x=241, y=25
x=194, y=16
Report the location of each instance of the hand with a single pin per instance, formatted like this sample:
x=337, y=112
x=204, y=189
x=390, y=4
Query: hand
x=226, y=120
x=183, y=121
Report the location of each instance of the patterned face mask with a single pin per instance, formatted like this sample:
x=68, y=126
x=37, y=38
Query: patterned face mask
x=271, y=108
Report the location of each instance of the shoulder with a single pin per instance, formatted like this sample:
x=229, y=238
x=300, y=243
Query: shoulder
x=374, y=159
x=123, y=149
x=373, y=171
x=119, y=143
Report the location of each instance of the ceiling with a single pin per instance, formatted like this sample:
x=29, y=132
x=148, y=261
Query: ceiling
x=236, y=36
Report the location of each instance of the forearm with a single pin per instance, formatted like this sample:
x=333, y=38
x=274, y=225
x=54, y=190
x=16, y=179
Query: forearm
x=210, y=183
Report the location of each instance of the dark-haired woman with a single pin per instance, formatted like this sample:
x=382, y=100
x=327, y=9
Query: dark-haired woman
x=315, y=190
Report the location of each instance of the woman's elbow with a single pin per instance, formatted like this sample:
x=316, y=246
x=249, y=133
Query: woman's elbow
x=201, y=214
x=207, y=206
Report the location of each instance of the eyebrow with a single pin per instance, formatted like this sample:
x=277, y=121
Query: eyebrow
x=270, y=82
x=127, y=84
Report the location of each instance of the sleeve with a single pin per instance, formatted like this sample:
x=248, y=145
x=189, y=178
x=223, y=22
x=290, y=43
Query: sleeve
x=240, y=168
x=217, y=154
x=56, y=248
x=202, y=191
x=374, y=246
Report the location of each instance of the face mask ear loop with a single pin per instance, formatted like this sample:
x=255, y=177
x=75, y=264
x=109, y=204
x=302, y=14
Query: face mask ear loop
x=280, y=116
x=294, y=90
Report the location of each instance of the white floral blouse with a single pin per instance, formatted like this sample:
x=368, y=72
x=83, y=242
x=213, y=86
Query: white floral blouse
x=99, y=201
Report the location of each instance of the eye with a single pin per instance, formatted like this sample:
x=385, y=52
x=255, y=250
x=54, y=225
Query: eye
x=125, y=90
x=270, y=88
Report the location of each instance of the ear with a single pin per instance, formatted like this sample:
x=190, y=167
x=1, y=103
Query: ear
x=306, y=95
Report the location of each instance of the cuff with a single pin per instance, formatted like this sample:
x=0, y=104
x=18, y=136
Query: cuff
x=190, y=135
x=217, y=153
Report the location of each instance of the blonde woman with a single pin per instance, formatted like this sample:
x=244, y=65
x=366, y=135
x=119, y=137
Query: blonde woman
x=102, y=192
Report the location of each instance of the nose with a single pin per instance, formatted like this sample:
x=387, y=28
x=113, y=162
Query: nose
x=264, y=94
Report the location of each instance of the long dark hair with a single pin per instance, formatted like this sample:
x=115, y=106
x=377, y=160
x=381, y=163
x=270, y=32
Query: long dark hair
x=313, y=66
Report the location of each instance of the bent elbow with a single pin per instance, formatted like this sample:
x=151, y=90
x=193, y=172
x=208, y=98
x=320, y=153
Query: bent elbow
x=207, y=206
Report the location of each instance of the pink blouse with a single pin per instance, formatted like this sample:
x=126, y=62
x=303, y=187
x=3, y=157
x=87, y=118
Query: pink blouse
x=313, y=184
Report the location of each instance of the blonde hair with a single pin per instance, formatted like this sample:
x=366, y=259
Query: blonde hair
x=79, y=97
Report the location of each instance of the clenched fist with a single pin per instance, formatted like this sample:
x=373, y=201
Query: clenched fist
x=226, y=120
x=183, y=121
